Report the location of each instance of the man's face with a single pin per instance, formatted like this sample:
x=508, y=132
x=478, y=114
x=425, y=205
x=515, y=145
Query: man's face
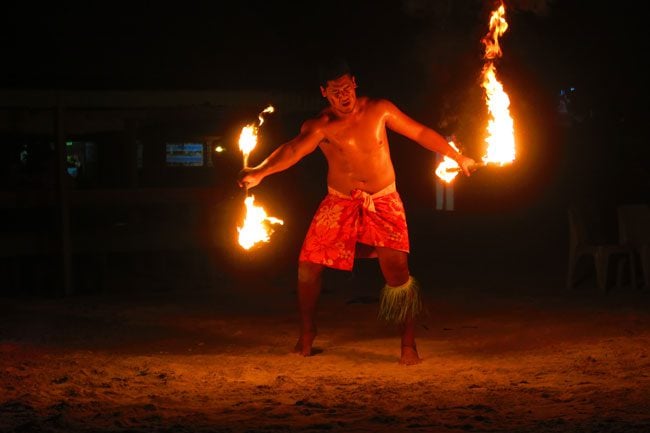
x=341, y=93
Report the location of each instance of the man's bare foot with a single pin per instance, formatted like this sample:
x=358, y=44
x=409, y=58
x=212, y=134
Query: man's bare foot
x=305, y=341
x=409, y=356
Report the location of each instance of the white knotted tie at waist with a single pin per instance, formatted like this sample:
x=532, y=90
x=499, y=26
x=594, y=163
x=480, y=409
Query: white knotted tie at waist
x=365, y=198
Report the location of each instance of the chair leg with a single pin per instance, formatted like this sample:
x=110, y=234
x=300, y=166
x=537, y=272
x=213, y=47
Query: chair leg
x=17, y=275
x=623, y=261
x=569, y=278
x=620, y=269
x=645, y=265
x=632, y=269
x=601, y=262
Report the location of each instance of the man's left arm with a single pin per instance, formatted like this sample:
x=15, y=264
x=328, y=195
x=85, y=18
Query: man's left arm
x=426, y=137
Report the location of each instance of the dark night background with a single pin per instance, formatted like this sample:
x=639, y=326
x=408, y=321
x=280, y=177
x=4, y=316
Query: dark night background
x=426, y=56
x=126, y=304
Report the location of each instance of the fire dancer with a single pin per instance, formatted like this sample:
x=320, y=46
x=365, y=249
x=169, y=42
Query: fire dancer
x=362, y=215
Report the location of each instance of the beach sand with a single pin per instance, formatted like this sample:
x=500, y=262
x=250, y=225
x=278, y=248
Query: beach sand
x=184, y=357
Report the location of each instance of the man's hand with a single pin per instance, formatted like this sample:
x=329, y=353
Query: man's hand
x=467, y=164
x=249, y=177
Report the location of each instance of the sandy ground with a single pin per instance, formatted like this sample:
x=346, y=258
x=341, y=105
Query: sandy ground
x=218, y=360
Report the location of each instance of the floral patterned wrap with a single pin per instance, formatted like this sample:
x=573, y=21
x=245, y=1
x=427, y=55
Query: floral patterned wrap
x=342, y=221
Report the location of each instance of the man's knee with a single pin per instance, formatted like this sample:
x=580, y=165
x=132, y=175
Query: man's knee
x=309, y=272
x=394, y=266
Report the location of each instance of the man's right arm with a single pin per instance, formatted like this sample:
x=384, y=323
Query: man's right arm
x=285, y=156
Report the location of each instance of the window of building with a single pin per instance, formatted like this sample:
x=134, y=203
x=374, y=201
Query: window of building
x=184, y=154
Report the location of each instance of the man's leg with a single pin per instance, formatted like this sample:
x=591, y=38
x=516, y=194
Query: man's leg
x=394, y=267
x=309, y=286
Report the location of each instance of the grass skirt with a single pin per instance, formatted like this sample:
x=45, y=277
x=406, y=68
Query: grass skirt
x=400, y=303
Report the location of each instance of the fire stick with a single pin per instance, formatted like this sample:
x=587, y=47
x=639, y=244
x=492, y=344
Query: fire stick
x=472, y=168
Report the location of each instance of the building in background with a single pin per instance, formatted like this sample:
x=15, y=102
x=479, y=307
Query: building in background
x=87, y=175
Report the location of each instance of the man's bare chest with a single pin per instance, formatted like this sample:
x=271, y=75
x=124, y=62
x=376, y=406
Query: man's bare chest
x=359, y=132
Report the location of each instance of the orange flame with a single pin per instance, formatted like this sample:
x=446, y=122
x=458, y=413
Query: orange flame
x=501, y=137
x=248, y=135
x=448, y=169
x=498, y=26
x=247, y=141
x=257, y=225
x=260, y=116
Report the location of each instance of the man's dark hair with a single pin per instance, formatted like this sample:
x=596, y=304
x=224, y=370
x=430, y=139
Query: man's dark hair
x=331, y=69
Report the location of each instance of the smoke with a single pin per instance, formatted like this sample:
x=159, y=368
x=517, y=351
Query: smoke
x=442, y=9
x=538, y=7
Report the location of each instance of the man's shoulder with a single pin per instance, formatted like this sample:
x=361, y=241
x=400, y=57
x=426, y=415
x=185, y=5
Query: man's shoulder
x=316, y=122
x=378, y=101
x=383, y=103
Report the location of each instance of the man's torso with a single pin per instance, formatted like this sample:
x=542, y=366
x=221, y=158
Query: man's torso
x=356, y=149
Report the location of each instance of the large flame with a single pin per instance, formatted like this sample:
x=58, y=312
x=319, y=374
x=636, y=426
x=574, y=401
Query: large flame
x=257, y=225
x=448, y=169
x=501, y=137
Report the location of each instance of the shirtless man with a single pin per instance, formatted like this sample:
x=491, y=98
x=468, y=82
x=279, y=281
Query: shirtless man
x=362, y=205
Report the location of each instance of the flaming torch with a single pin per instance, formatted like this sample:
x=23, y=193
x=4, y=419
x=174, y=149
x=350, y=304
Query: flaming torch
x=500, y=128
x=257, y=224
